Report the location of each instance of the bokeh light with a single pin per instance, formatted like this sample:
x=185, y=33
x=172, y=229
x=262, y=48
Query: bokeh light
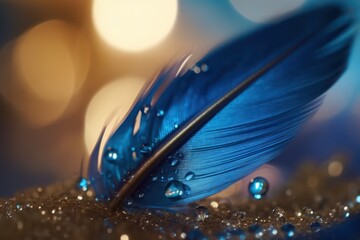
x=134, y=25
x=48, y=65
x=115, y=97
x=265, y=10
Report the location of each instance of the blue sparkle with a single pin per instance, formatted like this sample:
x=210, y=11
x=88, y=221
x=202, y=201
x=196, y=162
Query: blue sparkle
x=111, y=155
x=83, y=184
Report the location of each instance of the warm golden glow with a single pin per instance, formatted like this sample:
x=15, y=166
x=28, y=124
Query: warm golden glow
x=134, y=25
x=48, y=64
x=115, y=97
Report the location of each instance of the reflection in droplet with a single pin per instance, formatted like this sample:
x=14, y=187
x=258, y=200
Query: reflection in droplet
x=258, y=187
x=202, y=213
x=174, y=190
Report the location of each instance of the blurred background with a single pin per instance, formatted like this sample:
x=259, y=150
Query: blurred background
x=66, y=66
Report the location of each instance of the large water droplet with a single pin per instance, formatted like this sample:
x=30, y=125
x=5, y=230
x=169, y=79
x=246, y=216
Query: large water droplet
x=202, y=213
x=288, y=229
x=258, y=187
x=111, y=155
x=174, y=190
x=189, y=176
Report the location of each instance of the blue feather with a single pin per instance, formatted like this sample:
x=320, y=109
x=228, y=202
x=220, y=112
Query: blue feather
x=194, y=131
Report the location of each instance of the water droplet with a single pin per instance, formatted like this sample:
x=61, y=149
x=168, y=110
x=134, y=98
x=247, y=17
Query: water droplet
x=357, y=199
x=111, y=155
x=257, y=230
x=258, y=187
x=174, y=190
x=273, y=231
x=83, y=184
x=298, y=213
x=196, y=69
x=19, y=207
x=189, y=176
x=288, y=229
x=160, y=113
x=307, y=212
x=145, y=149
x=176, y=125
x=204, y=67
x=129, y=201
x=202, y=213
x=237, y=234
x=174, y=162
x=315, y=226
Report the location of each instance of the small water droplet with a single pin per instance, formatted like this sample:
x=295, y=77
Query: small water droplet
x=315, y=227
x=288, y=229
x=129, y=201
x=19, y=207
x=189, y=176
x=307, y=212
x=258, y=187
x=111, y=155
x=174, y=162
x=83, y=184
x=160, y=113
x=357, y=199
x=196, y=69
x=204, y=67
x=145, y=149
x=176, y=125
x=174, y=190
x=202, y=213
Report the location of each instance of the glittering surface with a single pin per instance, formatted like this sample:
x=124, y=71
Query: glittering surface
x=314, y=202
